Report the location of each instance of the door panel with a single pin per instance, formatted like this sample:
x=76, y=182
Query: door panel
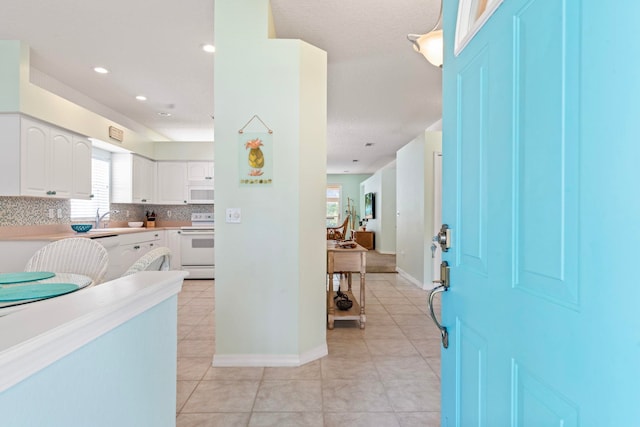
x=472, y=126
x=537, y=404
x=547, y=159
x=471, y=361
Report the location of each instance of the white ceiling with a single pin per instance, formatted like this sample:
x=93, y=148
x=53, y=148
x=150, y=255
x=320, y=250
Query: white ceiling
x=379, y=90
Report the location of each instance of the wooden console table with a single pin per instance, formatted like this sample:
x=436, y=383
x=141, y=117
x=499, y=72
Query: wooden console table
x=364, y=238
x=346, y=260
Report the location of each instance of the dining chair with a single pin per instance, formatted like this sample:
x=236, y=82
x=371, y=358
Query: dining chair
x=76, y=255
x=338, y=233
x=158, y=259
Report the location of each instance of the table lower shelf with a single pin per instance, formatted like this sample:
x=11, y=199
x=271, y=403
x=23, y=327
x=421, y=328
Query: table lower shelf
x=356, y=312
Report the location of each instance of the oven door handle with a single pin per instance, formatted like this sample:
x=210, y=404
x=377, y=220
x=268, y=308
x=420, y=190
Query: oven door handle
x=197, y=233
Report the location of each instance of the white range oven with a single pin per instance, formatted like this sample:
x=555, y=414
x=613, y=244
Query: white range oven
x=197, y=246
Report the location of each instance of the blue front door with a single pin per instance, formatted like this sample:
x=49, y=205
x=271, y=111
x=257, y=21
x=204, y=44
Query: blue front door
x=541, y=187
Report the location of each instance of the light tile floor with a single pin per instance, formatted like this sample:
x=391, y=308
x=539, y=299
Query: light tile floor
x=385, y=375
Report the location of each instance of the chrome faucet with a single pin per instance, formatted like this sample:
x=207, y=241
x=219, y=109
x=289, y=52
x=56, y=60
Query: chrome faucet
x=100, y=217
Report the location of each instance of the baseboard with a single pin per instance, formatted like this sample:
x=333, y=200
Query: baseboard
x=269, y=360
x=385, y=252
x=412, y=279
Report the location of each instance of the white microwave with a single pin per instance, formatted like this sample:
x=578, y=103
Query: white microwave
x=200, y=194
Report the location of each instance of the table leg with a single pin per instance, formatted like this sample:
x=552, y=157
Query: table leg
x=363, y=317
x=330, y=308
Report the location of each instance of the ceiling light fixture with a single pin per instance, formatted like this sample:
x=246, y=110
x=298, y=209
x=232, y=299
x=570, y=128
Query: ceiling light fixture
x=141, y=98
x=101, y=70
x=430, y=44
x=164, y=114
x=209, y=48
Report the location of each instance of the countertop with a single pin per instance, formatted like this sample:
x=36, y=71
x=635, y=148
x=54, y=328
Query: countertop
x=64, y=231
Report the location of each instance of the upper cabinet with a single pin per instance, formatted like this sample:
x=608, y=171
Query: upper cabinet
x=172, y=183
x=132, y=179
x=200, y=171
x=53, y=162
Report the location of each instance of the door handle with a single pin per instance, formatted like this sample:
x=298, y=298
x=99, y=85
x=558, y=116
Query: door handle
x=443, y=329
x=443, y=287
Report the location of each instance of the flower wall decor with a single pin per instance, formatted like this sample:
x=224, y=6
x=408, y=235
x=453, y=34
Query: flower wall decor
x=255, y=157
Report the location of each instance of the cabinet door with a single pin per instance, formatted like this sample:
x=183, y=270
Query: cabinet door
x=34, y=155
x=200, y=171
x=143, y=180
x=81, y=185
x=172, y=183
x=60, y=172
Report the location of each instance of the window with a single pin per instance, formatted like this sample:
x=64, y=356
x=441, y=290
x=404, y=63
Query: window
x=100, y=181
x=334, y=193
x=472, y=15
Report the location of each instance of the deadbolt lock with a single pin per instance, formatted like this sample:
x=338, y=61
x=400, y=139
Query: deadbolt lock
x=443, y=238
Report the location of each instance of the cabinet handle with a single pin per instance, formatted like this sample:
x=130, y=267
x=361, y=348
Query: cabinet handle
x=54, y=192
x=155, y=235
x=91, y=196
x=143, y=200
x=136, y=247
x=150, y=244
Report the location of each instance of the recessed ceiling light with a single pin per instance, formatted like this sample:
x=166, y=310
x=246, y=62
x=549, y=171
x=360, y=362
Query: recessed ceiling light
x=209, y=48
x=101, y=70
x=164, y=114
x=141, y=98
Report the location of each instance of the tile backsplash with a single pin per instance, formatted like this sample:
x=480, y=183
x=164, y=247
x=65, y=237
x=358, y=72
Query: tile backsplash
x=25, y=211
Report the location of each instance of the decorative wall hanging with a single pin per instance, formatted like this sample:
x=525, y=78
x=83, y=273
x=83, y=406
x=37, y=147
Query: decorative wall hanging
x=255, y=155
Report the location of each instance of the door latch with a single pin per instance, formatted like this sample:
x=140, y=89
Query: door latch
x=443, y=287
x=443, y=238
x=444, y=275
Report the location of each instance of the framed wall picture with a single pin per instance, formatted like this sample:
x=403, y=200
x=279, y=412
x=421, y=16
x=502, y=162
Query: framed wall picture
x=255, y=158
x=370, y=206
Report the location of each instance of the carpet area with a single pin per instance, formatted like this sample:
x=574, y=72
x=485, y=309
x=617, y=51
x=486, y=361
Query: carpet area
x=380, y=263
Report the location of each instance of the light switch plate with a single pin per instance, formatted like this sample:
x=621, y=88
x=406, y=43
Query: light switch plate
x=233, y=215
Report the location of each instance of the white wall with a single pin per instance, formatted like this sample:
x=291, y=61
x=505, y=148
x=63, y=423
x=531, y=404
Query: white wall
x=383, y=184
x=415, y=195
x=270, y=268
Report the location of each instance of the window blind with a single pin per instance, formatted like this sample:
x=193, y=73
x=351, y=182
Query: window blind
x=100, y=184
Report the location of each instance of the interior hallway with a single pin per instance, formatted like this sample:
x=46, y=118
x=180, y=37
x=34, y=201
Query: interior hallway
x=385, y=375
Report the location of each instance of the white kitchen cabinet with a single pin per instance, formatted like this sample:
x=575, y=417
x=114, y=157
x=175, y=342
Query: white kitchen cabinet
x=53, y=162
x=127, y=248
x=132, y=178
x=172, y=183
x=200, y=171
x=81, y=184
x=173, y=243
x=41, y=160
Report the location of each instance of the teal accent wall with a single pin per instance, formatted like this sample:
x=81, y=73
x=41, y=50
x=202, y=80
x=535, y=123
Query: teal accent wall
x=10, y=52
x=126, y=377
